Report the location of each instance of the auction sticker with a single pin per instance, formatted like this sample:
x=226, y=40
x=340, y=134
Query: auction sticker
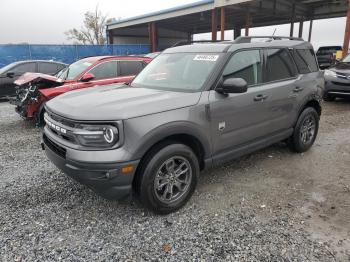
x=211, y=58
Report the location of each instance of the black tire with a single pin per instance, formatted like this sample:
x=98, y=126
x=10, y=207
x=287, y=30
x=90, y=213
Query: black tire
x=147, y=175
x=39, y=119
x=297, y=141
x=328, y=98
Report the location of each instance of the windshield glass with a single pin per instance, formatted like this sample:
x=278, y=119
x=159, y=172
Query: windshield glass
x=177, y=72
x=5, y=68
x=72, y=71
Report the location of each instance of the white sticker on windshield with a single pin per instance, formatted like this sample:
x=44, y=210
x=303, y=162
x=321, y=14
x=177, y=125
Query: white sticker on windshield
x=211, y=58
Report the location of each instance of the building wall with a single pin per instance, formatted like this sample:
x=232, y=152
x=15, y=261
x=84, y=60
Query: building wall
x=166, y=38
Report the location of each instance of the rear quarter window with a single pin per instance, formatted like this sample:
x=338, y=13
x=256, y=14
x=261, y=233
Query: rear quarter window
x=305, y=60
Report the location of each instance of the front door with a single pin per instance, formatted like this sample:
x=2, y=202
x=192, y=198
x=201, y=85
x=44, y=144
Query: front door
x=237, y=119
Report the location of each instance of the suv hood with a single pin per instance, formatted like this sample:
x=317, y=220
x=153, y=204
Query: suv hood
x=118, y=102
x=38, y=77
x=341, y=68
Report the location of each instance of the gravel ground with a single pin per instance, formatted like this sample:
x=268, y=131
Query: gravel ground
x=273, y=205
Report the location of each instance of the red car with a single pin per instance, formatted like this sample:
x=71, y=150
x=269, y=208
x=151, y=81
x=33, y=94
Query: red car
x=34, y=89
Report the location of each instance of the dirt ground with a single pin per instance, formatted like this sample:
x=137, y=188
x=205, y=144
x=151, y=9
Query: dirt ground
x=313, y=187
x=310, y=190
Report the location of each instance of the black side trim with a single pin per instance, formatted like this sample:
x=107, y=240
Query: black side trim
x=251, y=147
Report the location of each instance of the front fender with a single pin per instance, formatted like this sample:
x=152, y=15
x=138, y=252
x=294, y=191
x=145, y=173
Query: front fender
x=170, y=129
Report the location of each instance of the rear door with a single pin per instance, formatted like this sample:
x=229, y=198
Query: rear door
x=8, y=87
x=280, y=89
x=237, y=119
x=130, y=68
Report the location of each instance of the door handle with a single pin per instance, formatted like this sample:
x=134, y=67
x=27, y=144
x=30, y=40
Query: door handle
x=260, y=97
x=298, y=89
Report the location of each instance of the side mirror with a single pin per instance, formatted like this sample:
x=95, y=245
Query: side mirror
x=233, y=86
x=87, y=77
x=10, y=74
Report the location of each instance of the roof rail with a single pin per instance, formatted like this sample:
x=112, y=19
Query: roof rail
x=185, y=42
x=248, y=39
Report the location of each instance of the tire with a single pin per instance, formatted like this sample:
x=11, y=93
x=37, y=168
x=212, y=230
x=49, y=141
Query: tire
x=328, y=98
x=155, y=171
x=39, y=119
x=305, y=131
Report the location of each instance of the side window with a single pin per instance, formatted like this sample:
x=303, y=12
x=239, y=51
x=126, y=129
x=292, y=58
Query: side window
x=246, y=65
x=105, y=70
x=130, y=67
x=305, y=60
x=47, y=68
x=279, y=65
x=26, y=67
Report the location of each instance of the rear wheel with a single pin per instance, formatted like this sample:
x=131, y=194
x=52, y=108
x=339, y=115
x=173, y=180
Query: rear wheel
x=168, y=178
x=305, y=131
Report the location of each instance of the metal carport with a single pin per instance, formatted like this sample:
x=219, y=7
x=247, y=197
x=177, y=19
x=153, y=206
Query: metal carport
x=163, y=28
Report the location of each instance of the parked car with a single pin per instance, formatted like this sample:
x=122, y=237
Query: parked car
x=326, y=55
x=35, y=89
x=11, y=72
x=191, y=108
x=337, y=80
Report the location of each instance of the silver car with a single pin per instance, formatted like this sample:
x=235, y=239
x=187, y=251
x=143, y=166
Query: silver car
x=193, y=107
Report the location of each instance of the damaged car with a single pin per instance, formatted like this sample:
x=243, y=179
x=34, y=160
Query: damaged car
x=34, y=89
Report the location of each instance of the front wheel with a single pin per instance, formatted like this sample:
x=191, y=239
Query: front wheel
x=168, y=178
x=305, y=131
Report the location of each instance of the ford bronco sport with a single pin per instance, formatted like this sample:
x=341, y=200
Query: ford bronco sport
x=192, y=107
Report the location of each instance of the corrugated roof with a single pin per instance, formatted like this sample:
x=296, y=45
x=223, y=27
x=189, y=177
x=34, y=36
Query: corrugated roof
x=165, y=11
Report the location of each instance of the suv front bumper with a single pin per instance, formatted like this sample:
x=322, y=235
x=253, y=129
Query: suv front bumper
x=337, y=87
x=107, y=179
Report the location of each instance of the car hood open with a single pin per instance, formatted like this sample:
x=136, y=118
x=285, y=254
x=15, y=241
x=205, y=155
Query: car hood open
x=38, y=77
x=118, y=102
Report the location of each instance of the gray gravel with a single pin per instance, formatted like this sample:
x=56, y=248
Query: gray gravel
x=46, y=216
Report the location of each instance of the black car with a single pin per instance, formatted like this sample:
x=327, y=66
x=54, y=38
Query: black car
x=9, y=73
x=337, y=80
x=326, y=55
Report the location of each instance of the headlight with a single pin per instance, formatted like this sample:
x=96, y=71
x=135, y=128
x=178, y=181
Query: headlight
x=99, y=136
x=330, y=73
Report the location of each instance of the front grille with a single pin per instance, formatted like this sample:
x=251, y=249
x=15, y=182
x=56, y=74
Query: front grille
x=62, y=123
x=61, y=120
x=54, y=147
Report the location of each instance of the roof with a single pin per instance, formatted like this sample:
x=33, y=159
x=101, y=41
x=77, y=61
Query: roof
x=222, y=47
x=195, y=18
x=165, y=11
x=94, y=59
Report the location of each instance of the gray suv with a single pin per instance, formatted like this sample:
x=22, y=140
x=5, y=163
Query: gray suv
x=193, y=107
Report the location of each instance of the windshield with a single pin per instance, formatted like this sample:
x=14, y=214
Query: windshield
x=5, y=68
x=177, y=72
x=72, y=71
